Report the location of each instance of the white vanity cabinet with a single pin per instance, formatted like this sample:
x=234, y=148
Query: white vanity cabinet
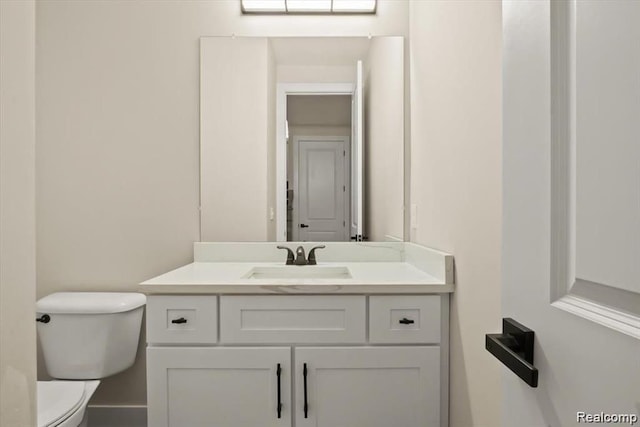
x=221, y=387
x=367, y=386
x=297, y=360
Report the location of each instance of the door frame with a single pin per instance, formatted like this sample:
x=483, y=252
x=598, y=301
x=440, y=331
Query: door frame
x=282, y=91
x=346, y=140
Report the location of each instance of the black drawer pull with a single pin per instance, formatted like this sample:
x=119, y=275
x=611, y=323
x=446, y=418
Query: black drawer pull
x=279, y=407
x=306, y=403
x=406, y=321
x=45, y=318
x=179, y=321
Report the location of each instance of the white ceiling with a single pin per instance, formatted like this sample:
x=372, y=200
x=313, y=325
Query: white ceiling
x=319, y=50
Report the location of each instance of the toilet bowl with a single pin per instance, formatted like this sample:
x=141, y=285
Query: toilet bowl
x=64, y=403
x=84, y=336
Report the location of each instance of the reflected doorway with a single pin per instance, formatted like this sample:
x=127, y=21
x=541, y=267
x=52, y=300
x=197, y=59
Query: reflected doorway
x=319, y=192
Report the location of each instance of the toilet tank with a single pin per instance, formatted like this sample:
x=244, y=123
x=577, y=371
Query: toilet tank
x=89, y=335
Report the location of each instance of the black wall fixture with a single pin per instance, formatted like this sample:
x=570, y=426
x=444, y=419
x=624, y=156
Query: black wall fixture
x=514, y=348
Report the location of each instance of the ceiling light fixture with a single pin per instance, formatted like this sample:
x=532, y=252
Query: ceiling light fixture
x=308, y=6
x=264, y=6
x=313, y=6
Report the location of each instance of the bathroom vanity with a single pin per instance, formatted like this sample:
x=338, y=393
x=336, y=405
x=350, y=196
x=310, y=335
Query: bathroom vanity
x=237, y=338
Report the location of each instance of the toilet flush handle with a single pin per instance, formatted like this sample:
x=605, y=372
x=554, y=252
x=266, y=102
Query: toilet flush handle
x=45, y=318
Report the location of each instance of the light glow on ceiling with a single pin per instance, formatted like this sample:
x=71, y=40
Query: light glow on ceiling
x=308, y=6
x=268, y=6
x=354, y=6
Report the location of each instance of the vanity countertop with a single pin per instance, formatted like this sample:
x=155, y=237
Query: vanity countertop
x=374, y=268
x=227, y=278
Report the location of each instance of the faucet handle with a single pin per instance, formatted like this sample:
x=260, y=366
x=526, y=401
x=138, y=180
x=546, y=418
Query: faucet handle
x=290, y=256
x=312, y=255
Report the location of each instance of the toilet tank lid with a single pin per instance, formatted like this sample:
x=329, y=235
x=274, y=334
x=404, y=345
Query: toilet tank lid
x=90, y=302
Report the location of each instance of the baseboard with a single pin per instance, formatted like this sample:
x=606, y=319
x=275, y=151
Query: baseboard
x=117, y=416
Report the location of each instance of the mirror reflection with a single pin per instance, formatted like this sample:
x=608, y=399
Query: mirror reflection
x=319, y=168
x=302, y=138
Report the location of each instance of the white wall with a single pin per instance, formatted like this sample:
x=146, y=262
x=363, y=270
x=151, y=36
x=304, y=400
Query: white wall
x=456, y=181
x=272, y=81
x=384, y=139
x=17, y=214
x=321, y=110
x=316, y=73
x=118, y=137
x=235, y=138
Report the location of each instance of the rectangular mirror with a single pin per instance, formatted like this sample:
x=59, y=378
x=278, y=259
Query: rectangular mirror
x=301, y=138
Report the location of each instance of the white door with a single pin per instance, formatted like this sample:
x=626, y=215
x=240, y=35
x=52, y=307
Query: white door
x=221, y=387
x=357, y=156
x=320, y=188
x=367, y=387
x=571, y=231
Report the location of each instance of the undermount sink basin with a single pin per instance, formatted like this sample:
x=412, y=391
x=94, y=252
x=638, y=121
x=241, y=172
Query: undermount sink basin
x=298, y=272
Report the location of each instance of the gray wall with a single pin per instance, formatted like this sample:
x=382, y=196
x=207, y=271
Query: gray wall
x=17, y=214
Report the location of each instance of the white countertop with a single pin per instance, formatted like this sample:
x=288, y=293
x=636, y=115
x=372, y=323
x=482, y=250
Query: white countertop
x=416, y=270
x=225, y=277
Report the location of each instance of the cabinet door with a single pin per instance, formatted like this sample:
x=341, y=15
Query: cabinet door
x=218, y=387
x=368, y=387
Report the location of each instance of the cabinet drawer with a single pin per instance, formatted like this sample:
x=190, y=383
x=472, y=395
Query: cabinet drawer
x=405, y=319
x=182, y=319
x=293, y=319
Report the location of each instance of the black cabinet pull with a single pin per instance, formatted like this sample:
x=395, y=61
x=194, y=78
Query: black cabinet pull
x=304, y=226
x=279, y=408
x=45, y=318
x=306, y=403
x=514, y=348
x=406, y=321
x=179, y=321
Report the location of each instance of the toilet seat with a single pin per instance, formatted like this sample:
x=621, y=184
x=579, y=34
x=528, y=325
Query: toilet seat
x=60, y=401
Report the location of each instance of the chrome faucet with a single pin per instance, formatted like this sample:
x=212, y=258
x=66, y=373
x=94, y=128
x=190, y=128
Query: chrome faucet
x=299, y=258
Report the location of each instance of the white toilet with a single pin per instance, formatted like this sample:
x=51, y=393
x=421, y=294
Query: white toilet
x=84, y=336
